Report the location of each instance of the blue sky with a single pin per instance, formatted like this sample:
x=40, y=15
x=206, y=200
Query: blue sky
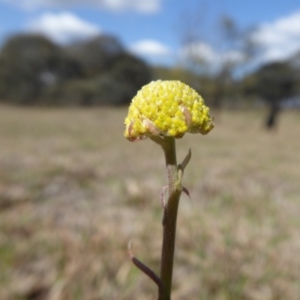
x=154, y=29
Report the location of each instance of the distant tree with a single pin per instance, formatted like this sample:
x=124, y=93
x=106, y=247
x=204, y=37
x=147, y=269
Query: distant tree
x=274, y=82
x=295, y=62
x=234, y=49
x=97, y=54
x=34, y=70
x=112, y=75
x=29, y=64
x=130, y=70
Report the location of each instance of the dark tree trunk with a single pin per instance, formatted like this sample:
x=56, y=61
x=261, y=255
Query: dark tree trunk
x=272, y=118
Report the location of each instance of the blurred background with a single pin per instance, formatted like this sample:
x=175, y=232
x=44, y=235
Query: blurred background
x=74, y=192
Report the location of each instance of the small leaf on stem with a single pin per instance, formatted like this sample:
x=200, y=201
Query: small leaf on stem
x=185, y=161
x=146, y=270
x=186, y=191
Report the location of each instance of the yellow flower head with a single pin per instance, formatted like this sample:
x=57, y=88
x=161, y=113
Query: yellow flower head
x=166, y=108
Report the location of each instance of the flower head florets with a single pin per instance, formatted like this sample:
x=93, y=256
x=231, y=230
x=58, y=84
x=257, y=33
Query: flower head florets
x=167, y=108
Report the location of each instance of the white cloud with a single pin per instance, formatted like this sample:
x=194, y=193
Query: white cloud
x=279, y=39
x=63, y=27
x=144, y=6
x=199, y=51
x=150, y=48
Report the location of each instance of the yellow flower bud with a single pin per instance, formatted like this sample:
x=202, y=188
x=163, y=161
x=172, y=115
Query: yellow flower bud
x=166, y=108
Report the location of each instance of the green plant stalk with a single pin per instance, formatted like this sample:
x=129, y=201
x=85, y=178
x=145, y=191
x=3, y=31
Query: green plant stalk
x=170, y=218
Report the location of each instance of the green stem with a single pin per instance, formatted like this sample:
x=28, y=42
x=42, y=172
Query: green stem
x=169, y=221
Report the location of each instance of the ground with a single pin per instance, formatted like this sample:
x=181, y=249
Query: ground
x=74, y=192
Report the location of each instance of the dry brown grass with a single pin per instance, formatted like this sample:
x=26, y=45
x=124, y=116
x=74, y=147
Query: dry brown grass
x=74, y=192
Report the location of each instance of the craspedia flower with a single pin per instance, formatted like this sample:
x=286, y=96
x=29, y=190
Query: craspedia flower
x=166, y=108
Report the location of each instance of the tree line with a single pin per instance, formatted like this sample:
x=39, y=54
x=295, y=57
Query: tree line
x=36, y=71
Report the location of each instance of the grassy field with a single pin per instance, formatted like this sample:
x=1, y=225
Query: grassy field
x=74, y=192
